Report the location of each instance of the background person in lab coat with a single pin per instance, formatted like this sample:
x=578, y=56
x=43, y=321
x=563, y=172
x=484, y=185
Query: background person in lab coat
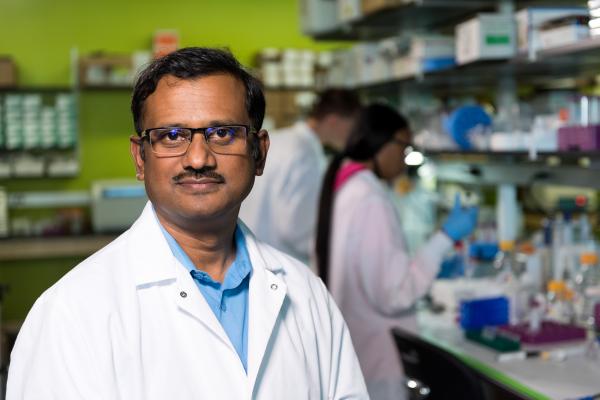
x=187, y=304
x=282, y=208
x=361, y=252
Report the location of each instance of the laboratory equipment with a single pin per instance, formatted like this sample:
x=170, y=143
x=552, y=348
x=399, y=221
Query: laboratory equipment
x=116, y=204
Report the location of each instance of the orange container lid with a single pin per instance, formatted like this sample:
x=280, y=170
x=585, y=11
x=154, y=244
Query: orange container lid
x=588, y=258
x=507, y=245
x=556, y=286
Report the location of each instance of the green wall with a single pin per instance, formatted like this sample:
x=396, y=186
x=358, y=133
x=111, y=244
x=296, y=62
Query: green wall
x=39, y=35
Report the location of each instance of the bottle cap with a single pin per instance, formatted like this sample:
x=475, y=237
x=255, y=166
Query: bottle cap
x=507, y=245
x=556, y=286
x=588, y=258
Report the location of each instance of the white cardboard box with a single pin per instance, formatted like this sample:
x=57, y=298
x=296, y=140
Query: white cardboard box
x=530, y=19
x=563, y=35
x=488, y=36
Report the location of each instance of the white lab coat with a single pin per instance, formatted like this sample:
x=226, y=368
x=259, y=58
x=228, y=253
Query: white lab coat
x=282, y=207
x=129, y=323
x=374, y=281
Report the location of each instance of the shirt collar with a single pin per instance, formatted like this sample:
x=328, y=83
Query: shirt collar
x=237, y=271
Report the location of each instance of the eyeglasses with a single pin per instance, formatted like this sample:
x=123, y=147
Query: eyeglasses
x=175, y=141
x=408, y=146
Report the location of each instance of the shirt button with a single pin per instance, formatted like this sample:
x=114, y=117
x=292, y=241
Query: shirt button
x=183, y=294
x=273, y=286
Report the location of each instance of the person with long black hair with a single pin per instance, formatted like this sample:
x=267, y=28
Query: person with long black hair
x=360, y=250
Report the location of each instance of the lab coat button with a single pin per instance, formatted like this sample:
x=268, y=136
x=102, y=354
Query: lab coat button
x=183, y=294
x=273, y=286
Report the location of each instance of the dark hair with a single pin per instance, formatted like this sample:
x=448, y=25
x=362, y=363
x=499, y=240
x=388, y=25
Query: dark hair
x=376, y=125
x=342, y=102
x=196, y=62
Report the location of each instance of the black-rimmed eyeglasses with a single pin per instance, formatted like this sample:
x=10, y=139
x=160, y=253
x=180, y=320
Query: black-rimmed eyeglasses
x=175, y=141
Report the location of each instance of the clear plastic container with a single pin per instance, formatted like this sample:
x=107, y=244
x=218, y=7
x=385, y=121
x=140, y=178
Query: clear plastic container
x=560, y=302
x=506, y=265
x=589, y=287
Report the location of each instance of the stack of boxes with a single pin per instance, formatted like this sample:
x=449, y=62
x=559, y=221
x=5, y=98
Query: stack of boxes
x=27, y=123
x=289, y=68
x=66, y=120
x=13, y=121
x=30, y=116
x=290, y=77
x=391, y=58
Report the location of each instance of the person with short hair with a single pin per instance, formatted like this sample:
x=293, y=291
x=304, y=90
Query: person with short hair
x=361, y=252
x=187, y=303
x=282, y=208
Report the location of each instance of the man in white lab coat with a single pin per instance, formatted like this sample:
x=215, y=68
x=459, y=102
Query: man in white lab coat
x=187, y=304
x=282, y=208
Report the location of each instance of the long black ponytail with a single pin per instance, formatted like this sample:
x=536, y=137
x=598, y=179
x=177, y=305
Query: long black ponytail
x=376, y=125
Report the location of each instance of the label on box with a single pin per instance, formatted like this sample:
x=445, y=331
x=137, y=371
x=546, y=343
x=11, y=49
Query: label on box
x=164, y=42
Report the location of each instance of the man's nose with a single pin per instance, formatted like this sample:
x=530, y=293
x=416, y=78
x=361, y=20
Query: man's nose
x=199, y=154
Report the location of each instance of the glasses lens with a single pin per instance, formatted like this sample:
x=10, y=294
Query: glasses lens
x=170, y=140
x=227, y=139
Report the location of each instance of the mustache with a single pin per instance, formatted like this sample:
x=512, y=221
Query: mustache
x=198, y=174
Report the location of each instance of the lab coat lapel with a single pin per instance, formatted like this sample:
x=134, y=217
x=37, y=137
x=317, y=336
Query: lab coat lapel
x=191, y=301
x=265, y=300
x=154, y=263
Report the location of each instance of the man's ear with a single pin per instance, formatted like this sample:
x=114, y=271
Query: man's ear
x=260, y=150
x=137, y=148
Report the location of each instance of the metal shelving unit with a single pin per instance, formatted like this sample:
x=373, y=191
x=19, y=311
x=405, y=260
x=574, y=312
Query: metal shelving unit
x=579, y=169
x=51, y=247
x=575, y=63
x=580, y=60
x=417, y=15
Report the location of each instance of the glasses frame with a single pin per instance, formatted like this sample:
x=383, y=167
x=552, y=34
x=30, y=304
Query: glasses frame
x=409, y=147
x=146, y=134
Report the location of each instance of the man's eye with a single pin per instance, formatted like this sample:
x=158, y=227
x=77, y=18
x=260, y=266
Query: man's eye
x=173, y=134
x=224, y=132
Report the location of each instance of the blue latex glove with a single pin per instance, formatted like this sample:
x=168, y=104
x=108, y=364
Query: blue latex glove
x=461, y=221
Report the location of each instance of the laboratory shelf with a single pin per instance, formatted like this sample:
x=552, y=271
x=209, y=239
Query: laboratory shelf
x=580, y=60
x=51, y=247
x=100, y=88
x=584, y=47
x=416, y=15
x=579, y=169
x=35, y=89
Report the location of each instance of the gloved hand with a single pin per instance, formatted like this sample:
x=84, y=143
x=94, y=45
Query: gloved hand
x=461, y=221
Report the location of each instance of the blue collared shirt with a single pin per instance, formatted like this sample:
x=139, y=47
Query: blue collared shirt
x=228, y=300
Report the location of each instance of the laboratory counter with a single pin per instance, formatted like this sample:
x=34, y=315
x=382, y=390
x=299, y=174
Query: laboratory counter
x=570, y=372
